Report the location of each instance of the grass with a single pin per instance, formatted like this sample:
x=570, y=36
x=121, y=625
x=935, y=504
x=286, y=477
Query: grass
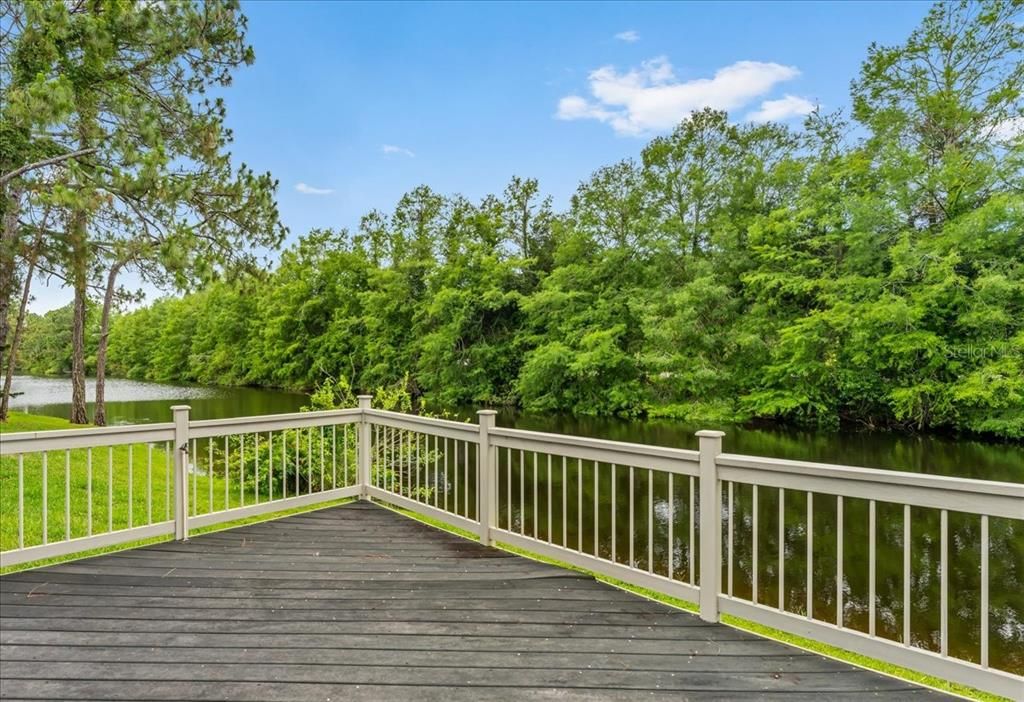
x=736, y=622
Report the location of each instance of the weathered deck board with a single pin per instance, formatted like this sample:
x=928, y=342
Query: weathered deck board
x=359, y=603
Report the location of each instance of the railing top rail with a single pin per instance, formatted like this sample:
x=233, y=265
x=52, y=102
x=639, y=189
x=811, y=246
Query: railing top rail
x=205, y=428
x=997, y=499
x=29, y=441
x=602, y=450
x=460, y=430
x=878, y=475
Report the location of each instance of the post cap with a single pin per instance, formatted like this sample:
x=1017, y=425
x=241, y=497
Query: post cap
x=487, y=412
x=180, y=408
x=364, y=397
x=710, y=434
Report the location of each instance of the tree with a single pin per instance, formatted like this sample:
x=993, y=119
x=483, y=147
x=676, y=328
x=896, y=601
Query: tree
x=135, y=77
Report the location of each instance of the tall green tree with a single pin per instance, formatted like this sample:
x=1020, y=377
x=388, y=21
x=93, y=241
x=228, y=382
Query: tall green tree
x=157, y=177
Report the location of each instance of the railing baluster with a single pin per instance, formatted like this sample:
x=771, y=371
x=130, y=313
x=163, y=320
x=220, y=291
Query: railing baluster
x=650, y=520
x=88, y=490
x=393, y=445
x=241, y=469
x=67, y=494
x=906, y=575
x=417, y=468
x=535, y=505
x=614, y=557
x=522, y=493
x=782, y=549
x=597, y=510
x=632, y=524
x=309, y=461
x=110, y=488
x=839, y=560
x=944, y=582
x=549, y=498
x=753, y=539
x=984, y=591
x=691, y=556
x=149, y=482
x=344, y=454
x=131, y=483
x=193, y=467
x=322, y=464
x=298, y=463
x=21, y=500
x=579, y=506
x=209, y=474
x=284, y=463
x=730, y=515
x=334, y=456
x=46, y=502
x=256, y=466
x=227, y=473
x=810, y=555
x=445, y=464
x=871, y=567
x=464, y=487
x=385, y=452
x=565, y=504
x=465, y=477
x=671, y=527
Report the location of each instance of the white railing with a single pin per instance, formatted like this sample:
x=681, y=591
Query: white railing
x=629, y=511
x=83, y=489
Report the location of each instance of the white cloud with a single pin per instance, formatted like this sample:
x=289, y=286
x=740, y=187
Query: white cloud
x=782, y=109
x=629, y=36
x=392, y=149
x=1008, y=129
x=310, y=190
x=651, y=98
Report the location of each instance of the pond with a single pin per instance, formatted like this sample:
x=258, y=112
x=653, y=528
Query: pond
x=133, y=401
x=140, y=402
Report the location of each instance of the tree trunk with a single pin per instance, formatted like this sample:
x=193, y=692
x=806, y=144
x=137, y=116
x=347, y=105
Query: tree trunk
x=5, y=397
x=100, y=413
x=8, y=245
x=79, y=267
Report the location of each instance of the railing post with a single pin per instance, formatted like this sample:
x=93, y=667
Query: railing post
x=710, y=524
x=487, y=491
x=364, y=448
x=180, y=414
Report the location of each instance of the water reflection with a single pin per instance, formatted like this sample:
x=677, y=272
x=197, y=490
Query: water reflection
x=139, y=402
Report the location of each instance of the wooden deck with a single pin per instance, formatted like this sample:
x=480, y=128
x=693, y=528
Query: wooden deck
x=360, y=603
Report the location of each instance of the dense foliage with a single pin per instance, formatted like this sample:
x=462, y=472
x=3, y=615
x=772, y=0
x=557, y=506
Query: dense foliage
x=867, y=271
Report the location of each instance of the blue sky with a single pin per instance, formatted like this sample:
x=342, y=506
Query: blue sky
x=355, y=104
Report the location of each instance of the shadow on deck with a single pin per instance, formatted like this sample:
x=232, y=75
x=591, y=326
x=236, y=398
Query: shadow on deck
x=360, y=603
